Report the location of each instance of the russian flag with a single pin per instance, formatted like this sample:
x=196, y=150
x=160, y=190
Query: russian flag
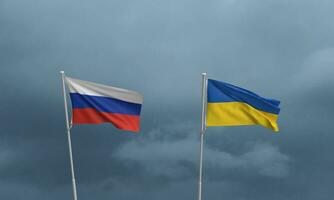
x=94, y=103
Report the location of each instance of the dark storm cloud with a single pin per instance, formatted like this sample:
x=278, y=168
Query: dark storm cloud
x=280, y=49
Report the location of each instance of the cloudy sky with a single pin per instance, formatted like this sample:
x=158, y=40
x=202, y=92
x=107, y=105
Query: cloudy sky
x=282, y=49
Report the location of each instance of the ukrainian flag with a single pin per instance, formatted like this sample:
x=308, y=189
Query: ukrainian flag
x=229, y=105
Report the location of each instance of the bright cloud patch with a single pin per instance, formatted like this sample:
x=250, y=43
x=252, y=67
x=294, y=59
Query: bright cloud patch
x=178, y=158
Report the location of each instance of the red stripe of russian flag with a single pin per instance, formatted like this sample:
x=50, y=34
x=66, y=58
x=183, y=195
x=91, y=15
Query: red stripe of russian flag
x=92, y=116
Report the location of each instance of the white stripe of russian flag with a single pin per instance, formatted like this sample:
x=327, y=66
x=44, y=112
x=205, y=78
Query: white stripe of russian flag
x=95, y=89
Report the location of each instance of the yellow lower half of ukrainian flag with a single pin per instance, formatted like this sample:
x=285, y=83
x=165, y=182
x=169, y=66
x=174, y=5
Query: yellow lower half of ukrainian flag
x=238, y=113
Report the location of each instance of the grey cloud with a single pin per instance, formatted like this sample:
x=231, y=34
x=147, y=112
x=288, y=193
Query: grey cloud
x=5, y=158
x=317, y=69
x=169, y=158
x=24, y=191
x=267, y=160
x=279, y=49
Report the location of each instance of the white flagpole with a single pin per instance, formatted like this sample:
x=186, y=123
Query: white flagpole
x=203, y=127
x=62, y=73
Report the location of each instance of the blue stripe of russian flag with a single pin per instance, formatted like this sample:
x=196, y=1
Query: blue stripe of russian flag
x=104, y=104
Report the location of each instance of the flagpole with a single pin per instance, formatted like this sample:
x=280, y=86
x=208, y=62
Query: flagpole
x=68, y=128
x=203, y=127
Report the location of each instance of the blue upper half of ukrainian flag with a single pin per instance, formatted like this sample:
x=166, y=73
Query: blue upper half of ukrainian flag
x=229, y=105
